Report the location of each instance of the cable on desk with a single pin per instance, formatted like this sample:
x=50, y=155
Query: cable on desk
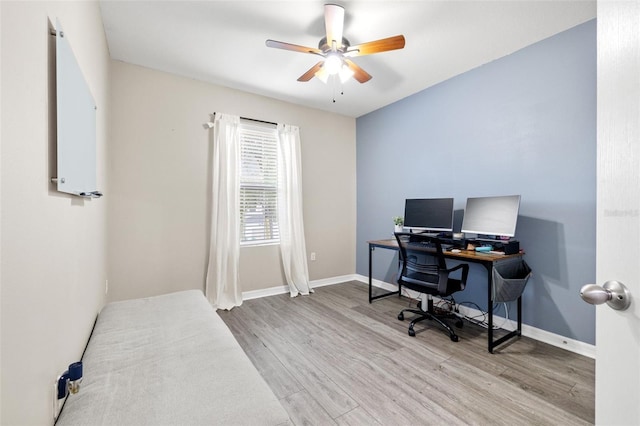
x=472, y=319
x=484, y=323
x=506, y=312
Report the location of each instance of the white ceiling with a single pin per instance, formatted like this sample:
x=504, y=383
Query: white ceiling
x=223, y=42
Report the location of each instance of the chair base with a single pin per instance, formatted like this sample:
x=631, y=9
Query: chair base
x=426, y=315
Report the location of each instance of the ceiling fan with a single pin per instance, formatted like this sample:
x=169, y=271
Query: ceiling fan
x=336, y=50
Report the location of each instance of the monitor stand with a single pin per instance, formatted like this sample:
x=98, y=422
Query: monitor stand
x=426, y=233
x=495, y=239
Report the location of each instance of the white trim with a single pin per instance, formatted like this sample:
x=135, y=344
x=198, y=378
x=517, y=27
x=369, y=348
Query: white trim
x=265, y=292
x=334, y=280
x=283, y=289
x=544, y=336
x=553, y=339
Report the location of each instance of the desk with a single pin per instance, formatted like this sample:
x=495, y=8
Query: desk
x=488, y=260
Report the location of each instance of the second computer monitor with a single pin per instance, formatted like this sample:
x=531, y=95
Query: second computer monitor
x=496, y=216
x=429, y=214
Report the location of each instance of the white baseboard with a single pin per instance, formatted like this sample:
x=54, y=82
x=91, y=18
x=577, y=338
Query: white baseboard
x=544, y=336
x=265, y=292
x=282, y=289
x=334, y=280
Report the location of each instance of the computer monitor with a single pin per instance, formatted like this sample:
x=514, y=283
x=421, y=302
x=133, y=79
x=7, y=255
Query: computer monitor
x=496, y=216
x=429, y=214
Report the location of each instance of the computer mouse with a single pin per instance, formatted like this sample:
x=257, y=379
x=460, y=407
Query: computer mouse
x=455, y=251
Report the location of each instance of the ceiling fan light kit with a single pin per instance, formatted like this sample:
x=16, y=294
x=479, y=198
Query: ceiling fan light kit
x=332, y=63
x=336, y=50
x=345, y=74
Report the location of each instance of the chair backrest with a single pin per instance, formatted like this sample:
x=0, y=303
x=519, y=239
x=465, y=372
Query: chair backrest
x=421, y=276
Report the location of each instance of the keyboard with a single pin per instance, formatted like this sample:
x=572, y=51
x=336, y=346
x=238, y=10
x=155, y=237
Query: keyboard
x=420, y=244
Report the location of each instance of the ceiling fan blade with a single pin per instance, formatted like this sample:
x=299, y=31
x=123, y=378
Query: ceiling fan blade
x=292, y=47
x=312, y=71
x=377, y=46
x=334, y=24
x=358, y=73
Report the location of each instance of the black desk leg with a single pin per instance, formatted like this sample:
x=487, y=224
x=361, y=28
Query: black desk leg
x=490, y=305
x=520, y=315
x=510, y=335
x=371, y=296
x=371, y=248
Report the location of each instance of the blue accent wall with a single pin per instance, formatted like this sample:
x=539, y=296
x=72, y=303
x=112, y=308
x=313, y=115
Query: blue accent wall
x=523, y=124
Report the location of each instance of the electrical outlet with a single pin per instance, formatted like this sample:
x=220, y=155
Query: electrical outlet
x=106, y=286
x=313, y=256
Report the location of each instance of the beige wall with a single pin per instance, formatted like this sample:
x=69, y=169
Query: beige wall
x=159, y=184
x=53, y=246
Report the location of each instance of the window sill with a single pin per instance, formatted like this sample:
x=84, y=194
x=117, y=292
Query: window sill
x=260, y=244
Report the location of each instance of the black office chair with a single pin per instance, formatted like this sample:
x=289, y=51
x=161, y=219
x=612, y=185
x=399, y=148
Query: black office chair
x=432, y=279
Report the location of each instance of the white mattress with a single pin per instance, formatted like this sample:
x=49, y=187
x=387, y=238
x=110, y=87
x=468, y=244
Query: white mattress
x=168, y=360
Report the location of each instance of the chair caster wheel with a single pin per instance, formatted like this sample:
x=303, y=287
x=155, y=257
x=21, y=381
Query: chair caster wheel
x=401, y=316
x=412, y=333
x=459, y=324
x=454, y=338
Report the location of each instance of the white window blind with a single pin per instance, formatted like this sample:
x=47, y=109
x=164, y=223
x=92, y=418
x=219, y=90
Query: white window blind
x=258, y=185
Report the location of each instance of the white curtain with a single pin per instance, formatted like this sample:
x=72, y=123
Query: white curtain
x=222, y=288
x=292, y=243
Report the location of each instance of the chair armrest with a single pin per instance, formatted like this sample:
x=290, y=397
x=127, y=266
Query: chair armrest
x=465, y=271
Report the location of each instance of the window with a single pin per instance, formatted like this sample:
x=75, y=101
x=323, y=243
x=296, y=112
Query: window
x=258, y=185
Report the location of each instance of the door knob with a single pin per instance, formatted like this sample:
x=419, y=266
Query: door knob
x=614, y=293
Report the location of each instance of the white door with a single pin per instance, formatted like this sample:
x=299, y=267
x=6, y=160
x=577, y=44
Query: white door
x=618, y=210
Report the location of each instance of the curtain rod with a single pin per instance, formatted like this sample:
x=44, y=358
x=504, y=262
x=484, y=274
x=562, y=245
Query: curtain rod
x=256, y=120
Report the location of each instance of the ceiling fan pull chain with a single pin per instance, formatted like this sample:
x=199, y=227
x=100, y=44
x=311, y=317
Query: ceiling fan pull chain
x=334, y=86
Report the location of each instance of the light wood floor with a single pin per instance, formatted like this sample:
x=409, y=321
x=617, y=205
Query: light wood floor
x=333, y=358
